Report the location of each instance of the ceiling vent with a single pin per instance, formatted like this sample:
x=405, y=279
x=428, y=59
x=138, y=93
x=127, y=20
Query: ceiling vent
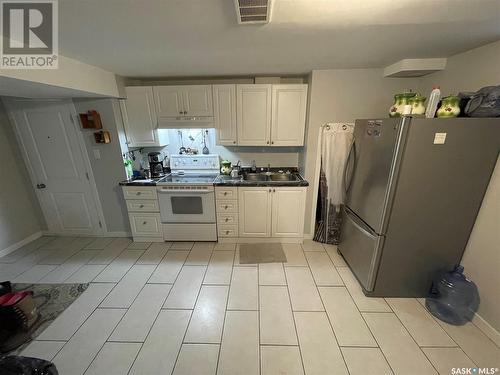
x=253, y=11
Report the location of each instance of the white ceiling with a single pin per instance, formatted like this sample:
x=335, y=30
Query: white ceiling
x=154, y=38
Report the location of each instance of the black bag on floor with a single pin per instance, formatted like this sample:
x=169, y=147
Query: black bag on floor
x=17, y=365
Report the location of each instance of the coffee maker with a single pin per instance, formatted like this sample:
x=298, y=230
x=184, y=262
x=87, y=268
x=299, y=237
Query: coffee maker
x=155, y=164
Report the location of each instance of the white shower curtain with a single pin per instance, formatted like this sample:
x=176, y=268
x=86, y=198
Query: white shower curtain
x=334, y=141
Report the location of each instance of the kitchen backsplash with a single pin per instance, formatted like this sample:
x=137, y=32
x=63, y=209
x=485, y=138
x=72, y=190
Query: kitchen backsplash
x=193, y=138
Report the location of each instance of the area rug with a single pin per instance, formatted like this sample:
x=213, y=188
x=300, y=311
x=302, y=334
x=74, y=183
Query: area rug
x=251, y=253
x=51, y=301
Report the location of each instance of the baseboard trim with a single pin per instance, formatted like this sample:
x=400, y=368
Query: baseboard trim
x=260, y=240
x=117, y=234
x=21, y=243
x=486, y=328
x=105, y=234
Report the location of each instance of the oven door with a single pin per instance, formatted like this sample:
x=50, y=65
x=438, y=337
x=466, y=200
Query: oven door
x=187, y=205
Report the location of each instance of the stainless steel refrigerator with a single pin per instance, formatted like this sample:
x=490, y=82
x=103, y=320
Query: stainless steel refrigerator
x=413, y=190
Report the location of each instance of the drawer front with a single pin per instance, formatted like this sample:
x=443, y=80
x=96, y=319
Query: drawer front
x=146, y=224
x=143, y=205
x=227, y=230
x=227, y=206
x=226, y=193
x=227, y=219
x=139, y=192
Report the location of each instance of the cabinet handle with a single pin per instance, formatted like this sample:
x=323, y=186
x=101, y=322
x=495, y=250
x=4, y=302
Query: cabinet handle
x=274, y=190
x=269, y=190
x=267, y=142
x=185, y=112
x=225, y=193
x=138, y=193
x=226, y=207
x=227, y=232
x=180, y=112
x=272, y=142
x=234, y=142
x=144, y=222
x=227, y=219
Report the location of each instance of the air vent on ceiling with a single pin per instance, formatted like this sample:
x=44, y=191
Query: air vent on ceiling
x=253, y=11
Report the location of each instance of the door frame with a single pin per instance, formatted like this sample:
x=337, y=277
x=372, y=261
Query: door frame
x=102, y=230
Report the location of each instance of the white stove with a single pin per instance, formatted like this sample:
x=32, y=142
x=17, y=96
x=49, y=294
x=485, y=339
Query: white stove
x=187, y=199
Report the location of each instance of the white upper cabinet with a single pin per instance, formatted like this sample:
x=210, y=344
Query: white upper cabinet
x=198, y=100
x=224, y=97
x=175, y=101
x=169, y=100
x=288, y=115
x=253, y=114
x=140, y=120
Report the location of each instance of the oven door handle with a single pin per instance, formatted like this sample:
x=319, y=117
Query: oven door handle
x=165, y=191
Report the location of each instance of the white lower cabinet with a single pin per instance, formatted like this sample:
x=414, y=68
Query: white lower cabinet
x=143, y=213
x=145, y=224
x=271, y=212
x=255, y=211
x=288, y=206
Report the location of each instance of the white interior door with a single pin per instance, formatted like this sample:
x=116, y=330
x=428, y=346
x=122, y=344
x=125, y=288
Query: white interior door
x=57, y=164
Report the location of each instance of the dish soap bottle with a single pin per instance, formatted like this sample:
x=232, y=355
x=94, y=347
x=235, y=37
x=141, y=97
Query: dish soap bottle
x=430, y=112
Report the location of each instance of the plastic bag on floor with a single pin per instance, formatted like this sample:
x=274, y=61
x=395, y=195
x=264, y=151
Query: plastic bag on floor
x=17, y=365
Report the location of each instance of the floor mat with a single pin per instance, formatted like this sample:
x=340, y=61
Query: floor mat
x=51, y=301
x=251, y=253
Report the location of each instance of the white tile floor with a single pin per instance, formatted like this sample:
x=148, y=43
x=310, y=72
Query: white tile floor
x=191, y=308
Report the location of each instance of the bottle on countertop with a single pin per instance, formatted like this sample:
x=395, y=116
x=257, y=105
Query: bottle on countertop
x=434, y=97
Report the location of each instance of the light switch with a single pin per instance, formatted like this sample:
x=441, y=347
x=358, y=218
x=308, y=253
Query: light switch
x=97, y=153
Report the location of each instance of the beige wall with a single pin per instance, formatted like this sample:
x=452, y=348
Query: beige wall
x=108, y=170
x=20, y=215
x=343, y=95
x=469, y=71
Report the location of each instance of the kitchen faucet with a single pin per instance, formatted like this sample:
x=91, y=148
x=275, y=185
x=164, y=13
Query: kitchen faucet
x=254, y=166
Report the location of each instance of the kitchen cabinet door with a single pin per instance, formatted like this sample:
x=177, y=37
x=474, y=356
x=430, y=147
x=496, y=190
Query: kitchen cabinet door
x=254, y=211
x=197, y=100
x=224, y=97
x=139, y=117
x=289, y=103
x=288, y=205
x=169, y=100
x=253, y=109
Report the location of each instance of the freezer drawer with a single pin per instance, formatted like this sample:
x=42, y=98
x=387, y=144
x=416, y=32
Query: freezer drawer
x=360, y=247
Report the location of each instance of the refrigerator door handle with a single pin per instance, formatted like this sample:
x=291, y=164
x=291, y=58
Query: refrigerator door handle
x=358, y=224
x=347, y=185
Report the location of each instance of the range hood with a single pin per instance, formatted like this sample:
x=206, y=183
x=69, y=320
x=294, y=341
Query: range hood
x=188, y=122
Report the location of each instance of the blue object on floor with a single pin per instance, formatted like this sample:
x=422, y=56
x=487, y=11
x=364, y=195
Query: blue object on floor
x=454, y=299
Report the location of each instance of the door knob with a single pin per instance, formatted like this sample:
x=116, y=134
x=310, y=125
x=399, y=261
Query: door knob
x=41, y=186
